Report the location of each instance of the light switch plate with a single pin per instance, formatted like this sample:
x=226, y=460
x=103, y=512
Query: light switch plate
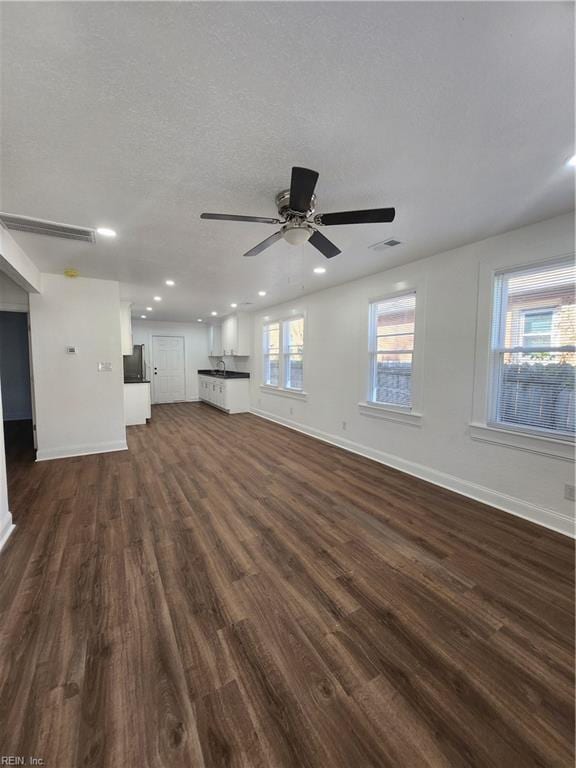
x=105, y=367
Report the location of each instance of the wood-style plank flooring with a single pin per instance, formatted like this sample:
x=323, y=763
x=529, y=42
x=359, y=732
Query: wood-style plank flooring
x=232, y=593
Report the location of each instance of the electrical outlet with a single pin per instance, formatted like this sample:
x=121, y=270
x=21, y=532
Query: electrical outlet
x=105, y=367
x=569, y=492
x=344, y=425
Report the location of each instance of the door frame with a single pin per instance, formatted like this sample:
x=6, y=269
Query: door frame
x=153, y=364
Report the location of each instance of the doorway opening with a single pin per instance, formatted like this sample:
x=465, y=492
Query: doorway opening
x=16, y=385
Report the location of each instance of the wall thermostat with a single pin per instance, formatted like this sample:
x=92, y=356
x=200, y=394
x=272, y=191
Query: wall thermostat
x=71, y=350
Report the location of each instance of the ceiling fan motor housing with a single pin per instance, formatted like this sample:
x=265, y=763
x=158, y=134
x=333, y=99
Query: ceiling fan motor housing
x=283, y=205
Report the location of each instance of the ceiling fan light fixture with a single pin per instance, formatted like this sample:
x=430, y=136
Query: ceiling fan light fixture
x=297, y=235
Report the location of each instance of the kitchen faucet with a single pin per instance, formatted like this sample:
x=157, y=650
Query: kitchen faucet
x=222, y=362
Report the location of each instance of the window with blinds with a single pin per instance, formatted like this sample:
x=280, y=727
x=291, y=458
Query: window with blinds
x=391, y=350
x=271, y=342
x=293, y=353
x=534, y=350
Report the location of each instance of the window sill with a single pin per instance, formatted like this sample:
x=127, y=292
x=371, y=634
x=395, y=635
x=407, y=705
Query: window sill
x=546, y=446
x=283, y=392
x=388, y=412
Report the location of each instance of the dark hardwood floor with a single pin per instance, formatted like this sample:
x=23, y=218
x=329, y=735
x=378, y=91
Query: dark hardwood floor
x=232, y=593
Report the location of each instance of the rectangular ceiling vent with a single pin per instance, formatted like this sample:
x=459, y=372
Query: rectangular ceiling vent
x=43, y=227
x=383, y=244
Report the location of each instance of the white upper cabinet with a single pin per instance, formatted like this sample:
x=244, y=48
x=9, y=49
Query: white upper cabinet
x=126, y=327
x=236, y=335
x=215, y=341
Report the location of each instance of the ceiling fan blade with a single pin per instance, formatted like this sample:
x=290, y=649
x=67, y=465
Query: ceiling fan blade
x=302, y=187
x=372, y=216
x=324, y=245
x=264, y=244
x=234, y=217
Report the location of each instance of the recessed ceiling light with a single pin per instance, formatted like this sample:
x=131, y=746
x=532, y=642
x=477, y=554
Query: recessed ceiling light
x=261, y=293
x=157, y=298
x=233, y=305
x=266, y=317
x=170, y=282
x=319, y=270
x=105, y=232
x=199, y=320
x=213, y=314
x=572, y=160
x=143, y=317
x=149, y=309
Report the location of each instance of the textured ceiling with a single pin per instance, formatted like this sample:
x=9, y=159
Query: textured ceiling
x=140, y=116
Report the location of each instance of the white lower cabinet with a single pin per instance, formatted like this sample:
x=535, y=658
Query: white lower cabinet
x=137, y=408
x=231, y=395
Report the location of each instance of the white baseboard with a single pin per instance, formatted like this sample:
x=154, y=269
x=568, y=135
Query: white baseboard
x=6, y=530
x=80, y=450
x=548, y=518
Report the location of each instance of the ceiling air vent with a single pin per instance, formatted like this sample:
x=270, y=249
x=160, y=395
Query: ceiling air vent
x=43, y=227
x=383, y=244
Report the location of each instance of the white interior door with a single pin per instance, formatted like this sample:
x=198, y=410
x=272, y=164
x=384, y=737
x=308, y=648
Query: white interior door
x=168, y=376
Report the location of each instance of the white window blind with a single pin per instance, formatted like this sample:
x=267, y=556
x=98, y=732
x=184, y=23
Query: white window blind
x=391, y=350
x=293, y=353
x=271, y=343
x=534, y=349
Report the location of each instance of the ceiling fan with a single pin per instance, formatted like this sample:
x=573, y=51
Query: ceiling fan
x=296, y=208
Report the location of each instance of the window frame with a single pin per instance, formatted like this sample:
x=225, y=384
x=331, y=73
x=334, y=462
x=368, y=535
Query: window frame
x=499, y=349
x=373, y=352
x=481, y=427
x=282, y=388
x=285, y=368
x=266, y=354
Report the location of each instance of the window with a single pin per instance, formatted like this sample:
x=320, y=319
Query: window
x=391, y=350
x=283, y=343
x=272, y=354
x=533, y=350
x=537, y=327
x=293, y=353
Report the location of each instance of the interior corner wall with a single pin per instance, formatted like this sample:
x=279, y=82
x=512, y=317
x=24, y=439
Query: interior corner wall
x=79, y=409
x=441, y=449
x=6, y=524
x=13, y=298
x=195, y=348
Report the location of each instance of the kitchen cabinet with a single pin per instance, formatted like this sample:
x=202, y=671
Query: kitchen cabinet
x=230, y=395
x=137, y=408
x=126, y=327
x=215, y=341
x=235, y=340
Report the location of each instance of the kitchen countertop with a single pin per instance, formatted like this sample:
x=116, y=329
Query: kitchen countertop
x=224, y=374
x=136, y=381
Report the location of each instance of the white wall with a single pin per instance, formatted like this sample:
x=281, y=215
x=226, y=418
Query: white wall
x=78, y=409
x=440, y=449
x=15, y=263
x=6, y=525
x=13, y=298
x=195, y=348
